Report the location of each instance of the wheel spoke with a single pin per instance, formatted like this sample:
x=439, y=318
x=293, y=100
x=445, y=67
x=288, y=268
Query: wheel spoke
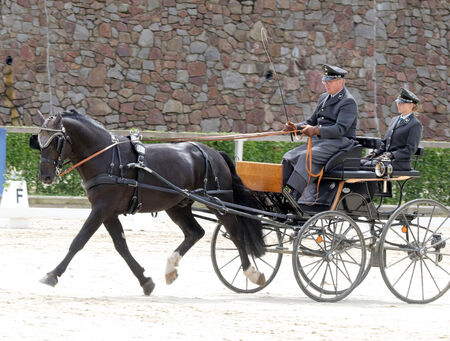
x=315, y=273
x=438, y=265
x=437, y=230
x=403, y=273
x=230, y=261
x=353, y=259
x=236, y=274
x=421, y=281
x=400, y=260
x=437, y=243
x=429, y=223
x=315, y=240
x=438, y=253
x=322, y=283
x=431, y=275
x=332, y=278
x=411, y=279
x=401, y=237
x=418, y=221
x=264, y=261
x=338, y=268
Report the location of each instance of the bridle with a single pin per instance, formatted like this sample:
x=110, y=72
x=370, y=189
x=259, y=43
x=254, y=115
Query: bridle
x=62, y=137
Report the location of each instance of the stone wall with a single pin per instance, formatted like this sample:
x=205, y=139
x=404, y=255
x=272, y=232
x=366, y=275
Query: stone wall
x=197, y=65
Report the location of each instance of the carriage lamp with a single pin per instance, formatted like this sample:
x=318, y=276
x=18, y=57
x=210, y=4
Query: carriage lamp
x=384, y=169
x=380, y=169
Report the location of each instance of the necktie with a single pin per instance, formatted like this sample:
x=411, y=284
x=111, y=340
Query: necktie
x=326, y=99
x=400, y=121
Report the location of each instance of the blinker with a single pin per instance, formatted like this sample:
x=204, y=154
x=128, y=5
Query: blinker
x=34, y=143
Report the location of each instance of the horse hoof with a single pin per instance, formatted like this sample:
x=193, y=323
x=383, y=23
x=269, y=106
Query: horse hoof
x=50, y=280
x=148, y=287
x=171, y=277
x=261, y=280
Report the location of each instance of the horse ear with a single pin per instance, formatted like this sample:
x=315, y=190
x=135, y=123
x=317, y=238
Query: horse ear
x=58, y=120
x=40, y=117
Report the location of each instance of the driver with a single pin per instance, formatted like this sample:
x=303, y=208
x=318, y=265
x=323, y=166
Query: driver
x=332, y=127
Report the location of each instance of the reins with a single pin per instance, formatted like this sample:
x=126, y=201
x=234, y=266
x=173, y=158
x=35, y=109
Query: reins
x=91, y=157
x=179, y=139
x=219, y=137
x=308, y=166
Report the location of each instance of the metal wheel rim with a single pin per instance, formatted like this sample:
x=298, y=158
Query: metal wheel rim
x=420, y=277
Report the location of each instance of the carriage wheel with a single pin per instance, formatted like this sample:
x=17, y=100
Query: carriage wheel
x=329, y=256
x=415, y=251
x=227, y=263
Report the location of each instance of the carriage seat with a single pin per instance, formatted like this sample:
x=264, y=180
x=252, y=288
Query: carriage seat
x=343, y=174
x=346, y=165
x=348, y=159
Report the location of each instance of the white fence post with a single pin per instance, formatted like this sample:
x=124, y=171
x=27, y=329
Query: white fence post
x=238, y=150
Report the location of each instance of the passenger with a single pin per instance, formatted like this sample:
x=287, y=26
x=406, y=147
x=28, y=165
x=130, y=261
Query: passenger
x=402, y=136
x=332, y=127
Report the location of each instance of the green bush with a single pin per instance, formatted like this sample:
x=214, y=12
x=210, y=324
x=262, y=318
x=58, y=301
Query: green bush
x=433, y=184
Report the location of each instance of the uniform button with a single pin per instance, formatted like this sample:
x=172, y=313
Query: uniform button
x=322, y=109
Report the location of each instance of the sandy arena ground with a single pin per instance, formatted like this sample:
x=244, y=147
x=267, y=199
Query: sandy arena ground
x=98, y=298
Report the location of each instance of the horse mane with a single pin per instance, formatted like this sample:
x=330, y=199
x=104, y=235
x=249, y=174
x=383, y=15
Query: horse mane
x=75, y=115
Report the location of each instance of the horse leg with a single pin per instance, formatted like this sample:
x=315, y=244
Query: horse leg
x=117, y=234
x=90, y=226
x=231, y=224
x=193, y=232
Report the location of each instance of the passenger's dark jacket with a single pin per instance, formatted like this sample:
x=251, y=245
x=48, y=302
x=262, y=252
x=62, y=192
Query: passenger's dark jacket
x=402, y=141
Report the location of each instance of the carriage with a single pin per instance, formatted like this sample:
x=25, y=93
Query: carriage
x=333, y=243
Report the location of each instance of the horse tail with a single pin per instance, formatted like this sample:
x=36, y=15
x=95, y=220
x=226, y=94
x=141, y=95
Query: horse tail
x=253, y=233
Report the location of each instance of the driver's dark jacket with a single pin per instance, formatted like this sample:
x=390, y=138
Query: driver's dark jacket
x=337, y=117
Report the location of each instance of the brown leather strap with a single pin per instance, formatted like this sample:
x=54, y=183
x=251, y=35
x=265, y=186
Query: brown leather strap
x=308, y=166
x=91, y=157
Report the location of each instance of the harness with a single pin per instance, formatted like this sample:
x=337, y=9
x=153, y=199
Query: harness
x=135, y=203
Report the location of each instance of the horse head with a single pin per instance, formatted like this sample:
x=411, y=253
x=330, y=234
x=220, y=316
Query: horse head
x=53, y=144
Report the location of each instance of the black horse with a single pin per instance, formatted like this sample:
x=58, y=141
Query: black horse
x=75, y=137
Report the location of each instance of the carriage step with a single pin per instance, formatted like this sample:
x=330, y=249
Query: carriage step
x=375, y=259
